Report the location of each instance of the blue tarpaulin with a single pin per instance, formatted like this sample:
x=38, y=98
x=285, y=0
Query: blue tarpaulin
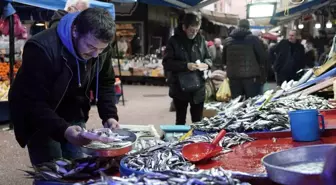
x=167, y=3
x=60, y=4
x=296, y=10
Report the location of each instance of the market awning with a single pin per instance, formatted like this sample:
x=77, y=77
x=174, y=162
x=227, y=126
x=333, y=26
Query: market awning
x=297, y=11
x=60, y=4
x=172, y=3
x=220, y=18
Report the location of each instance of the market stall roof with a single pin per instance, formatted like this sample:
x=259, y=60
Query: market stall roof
x=297, y=11
x=220, y=18
x=60, y=4
x=172, y=3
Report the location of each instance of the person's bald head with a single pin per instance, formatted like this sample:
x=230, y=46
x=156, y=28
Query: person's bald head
x=76, y=5
x=292, y=36
x=218, y=42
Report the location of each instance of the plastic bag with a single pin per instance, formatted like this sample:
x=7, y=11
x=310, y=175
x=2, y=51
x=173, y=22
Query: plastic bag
x=224, y=92
x=20, y=30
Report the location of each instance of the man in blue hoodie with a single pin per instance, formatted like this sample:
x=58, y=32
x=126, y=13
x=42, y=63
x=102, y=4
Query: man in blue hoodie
x=49, y=102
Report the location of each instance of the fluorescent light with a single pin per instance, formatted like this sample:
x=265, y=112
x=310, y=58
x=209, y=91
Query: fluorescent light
x=39, y=24
x=261, y=10
x=329, y=24
x=317, y=25
x=300, y=26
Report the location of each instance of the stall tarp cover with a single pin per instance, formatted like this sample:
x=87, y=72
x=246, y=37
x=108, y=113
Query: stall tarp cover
x=60, y=4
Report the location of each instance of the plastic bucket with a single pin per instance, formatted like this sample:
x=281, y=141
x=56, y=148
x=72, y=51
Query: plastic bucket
x=124, y=171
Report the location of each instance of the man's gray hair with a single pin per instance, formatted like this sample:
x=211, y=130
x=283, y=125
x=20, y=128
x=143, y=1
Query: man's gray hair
x=70, y=3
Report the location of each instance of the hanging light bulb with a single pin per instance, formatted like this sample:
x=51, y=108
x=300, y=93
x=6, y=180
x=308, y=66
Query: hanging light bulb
x=300, y=26
x=317, y=25
x=329, y=24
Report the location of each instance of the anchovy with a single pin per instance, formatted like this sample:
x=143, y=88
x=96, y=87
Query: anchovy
x=173, y=177
x=244, y=116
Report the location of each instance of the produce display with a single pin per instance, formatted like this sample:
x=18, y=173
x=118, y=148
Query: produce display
x=4, y=70
x=247, y=115
x=4, y=88
x=168, y=156
x=148, y=65
x=217, y=176
x=80, y=169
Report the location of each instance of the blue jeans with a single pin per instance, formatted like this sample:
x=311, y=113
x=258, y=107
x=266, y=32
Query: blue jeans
x=42, y=148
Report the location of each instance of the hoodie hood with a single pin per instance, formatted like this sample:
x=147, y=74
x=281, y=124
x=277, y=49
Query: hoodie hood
x=240, y=33
x=64, y=30
x=57, y=17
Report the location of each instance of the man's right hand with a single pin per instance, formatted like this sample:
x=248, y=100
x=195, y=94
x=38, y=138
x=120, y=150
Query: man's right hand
x=192, y=66
x=73, y=135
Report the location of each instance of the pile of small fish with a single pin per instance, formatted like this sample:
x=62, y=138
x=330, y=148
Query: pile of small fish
x=143, y=143
x=173, y=177
x=168, y=156
x=79, y=169
x=105, y=135
x=245, y=116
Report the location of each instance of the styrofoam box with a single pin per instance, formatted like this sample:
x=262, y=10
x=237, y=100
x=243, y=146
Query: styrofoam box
x=149, y=128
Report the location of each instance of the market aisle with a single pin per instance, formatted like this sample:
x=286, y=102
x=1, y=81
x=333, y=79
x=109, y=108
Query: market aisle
x=144, y=105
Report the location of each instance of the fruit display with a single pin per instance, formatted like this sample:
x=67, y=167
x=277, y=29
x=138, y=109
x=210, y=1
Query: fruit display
x=4, y=88
x=4, y=70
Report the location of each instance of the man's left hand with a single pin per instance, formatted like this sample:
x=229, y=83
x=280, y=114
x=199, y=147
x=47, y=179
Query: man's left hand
x=112, y=124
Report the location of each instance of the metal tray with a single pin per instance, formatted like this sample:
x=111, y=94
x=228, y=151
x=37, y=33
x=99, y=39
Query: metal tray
x=277, y=164
x=113, y=152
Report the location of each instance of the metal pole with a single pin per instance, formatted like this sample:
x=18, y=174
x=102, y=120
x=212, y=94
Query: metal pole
x=11, y=54
x=119, y=69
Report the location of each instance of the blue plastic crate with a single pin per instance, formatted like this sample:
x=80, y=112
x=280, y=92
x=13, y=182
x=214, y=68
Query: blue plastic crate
x=124, y=171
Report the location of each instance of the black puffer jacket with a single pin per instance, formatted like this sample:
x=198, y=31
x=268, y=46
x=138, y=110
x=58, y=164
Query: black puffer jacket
x=244, y=55
x=179, y=51
x=288, y=58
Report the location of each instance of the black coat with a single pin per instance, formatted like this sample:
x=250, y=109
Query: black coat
x=288, y=58
x=43, y=83
x=179, y=51
x=244, y=55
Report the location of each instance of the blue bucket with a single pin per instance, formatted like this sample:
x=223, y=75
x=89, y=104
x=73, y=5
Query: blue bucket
x=124, y=171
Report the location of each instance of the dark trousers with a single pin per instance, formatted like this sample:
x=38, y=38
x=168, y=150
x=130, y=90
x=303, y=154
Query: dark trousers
x=248, y=87
x=196, y=111
x=42, y=148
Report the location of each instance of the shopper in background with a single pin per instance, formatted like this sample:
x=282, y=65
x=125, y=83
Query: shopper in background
x=321, y=42
x=246, y=61
x=49, y=102
x=216, y=52
x=288, y=56
x=71, y=6
x=185, y=77
x=310, y=53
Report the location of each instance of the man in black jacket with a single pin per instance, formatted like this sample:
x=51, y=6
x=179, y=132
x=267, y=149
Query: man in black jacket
x=184, y=48
x=246, y=60
x=48, y=100
x=288, y=56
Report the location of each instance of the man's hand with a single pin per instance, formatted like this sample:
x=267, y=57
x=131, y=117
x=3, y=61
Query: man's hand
x=112, y=124
x=192, y=66
x=202, y=66
x=73, y=135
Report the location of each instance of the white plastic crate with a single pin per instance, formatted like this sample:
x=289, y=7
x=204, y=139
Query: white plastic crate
x=147, y=128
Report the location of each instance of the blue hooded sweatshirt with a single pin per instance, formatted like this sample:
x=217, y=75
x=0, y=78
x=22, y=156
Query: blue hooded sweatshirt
x=64, y=31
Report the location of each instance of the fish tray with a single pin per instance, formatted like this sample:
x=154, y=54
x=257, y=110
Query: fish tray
x=329, y=117
x=247, y=157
